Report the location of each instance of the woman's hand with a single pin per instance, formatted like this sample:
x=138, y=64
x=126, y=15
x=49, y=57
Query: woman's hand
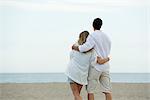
x=102, y=60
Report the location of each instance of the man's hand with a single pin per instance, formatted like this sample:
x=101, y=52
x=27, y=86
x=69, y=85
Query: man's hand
x=102, y=60
x=75, y=48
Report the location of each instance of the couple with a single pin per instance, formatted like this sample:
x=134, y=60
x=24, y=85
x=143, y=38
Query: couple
x=89, y=63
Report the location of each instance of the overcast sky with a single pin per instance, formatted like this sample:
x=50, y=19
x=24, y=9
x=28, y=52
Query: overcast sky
x=36, y=35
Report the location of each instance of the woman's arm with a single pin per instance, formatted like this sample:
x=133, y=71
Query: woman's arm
x=102, y=60
x=71, y=55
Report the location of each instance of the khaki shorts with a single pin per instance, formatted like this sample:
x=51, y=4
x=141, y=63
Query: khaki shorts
x=98, y=78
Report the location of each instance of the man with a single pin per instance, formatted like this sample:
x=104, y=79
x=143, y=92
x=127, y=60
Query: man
x=100, y=42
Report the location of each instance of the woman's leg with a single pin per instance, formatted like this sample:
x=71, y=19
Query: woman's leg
x=79, y=88
x=75, y=91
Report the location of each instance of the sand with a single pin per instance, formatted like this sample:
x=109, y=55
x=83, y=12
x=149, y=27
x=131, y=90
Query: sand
x=61, y=91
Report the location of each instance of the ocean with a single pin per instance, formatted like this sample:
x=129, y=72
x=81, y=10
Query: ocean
x=61, y=77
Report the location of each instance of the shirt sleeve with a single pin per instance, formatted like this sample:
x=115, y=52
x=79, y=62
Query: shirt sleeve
x=89, y=44
x=93, y=59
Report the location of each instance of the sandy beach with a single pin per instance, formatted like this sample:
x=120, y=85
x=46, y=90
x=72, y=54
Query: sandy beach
x=61, y=91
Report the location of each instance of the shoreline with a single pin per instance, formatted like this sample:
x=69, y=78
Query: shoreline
x=67, y=83
x=61, y=77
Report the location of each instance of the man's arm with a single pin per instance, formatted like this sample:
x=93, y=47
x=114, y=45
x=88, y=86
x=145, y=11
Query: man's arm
x=88, y=45
x=102, y=60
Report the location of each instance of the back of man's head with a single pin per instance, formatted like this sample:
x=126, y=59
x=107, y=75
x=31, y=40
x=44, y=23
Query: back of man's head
x=97, y=23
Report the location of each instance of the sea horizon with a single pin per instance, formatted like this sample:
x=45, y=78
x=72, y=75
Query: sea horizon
x=62, y=78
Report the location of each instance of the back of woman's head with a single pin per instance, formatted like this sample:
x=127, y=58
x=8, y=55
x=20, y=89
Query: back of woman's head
x=82, y=37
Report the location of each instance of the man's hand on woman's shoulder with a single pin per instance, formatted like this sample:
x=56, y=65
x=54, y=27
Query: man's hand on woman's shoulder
x=74, y=47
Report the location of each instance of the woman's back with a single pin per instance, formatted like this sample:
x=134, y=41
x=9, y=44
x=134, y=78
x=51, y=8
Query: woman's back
x=83, y=59
x=79, y=65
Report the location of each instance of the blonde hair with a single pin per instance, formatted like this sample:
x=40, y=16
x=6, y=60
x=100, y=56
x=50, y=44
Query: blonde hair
x=82, y=37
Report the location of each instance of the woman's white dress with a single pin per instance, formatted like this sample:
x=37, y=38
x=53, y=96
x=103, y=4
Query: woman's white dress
x=77, y=69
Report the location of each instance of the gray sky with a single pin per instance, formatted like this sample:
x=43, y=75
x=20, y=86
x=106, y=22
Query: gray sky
x=36, y=36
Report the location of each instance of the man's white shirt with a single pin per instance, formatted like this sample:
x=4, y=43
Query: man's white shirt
x=101, y=43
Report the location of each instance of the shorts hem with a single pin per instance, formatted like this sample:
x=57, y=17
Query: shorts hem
x=90, y=92
x=106, y=91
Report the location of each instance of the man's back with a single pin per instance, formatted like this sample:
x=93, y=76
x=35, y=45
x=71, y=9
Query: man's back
x=102, y=43
x=102, y=46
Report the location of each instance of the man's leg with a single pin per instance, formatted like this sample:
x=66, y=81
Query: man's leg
x=92, y=82
x=108, y=96
x=90, y=96
x=106, y=85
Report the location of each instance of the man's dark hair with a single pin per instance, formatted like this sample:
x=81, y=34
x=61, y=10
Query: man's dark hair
x=97, y=23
